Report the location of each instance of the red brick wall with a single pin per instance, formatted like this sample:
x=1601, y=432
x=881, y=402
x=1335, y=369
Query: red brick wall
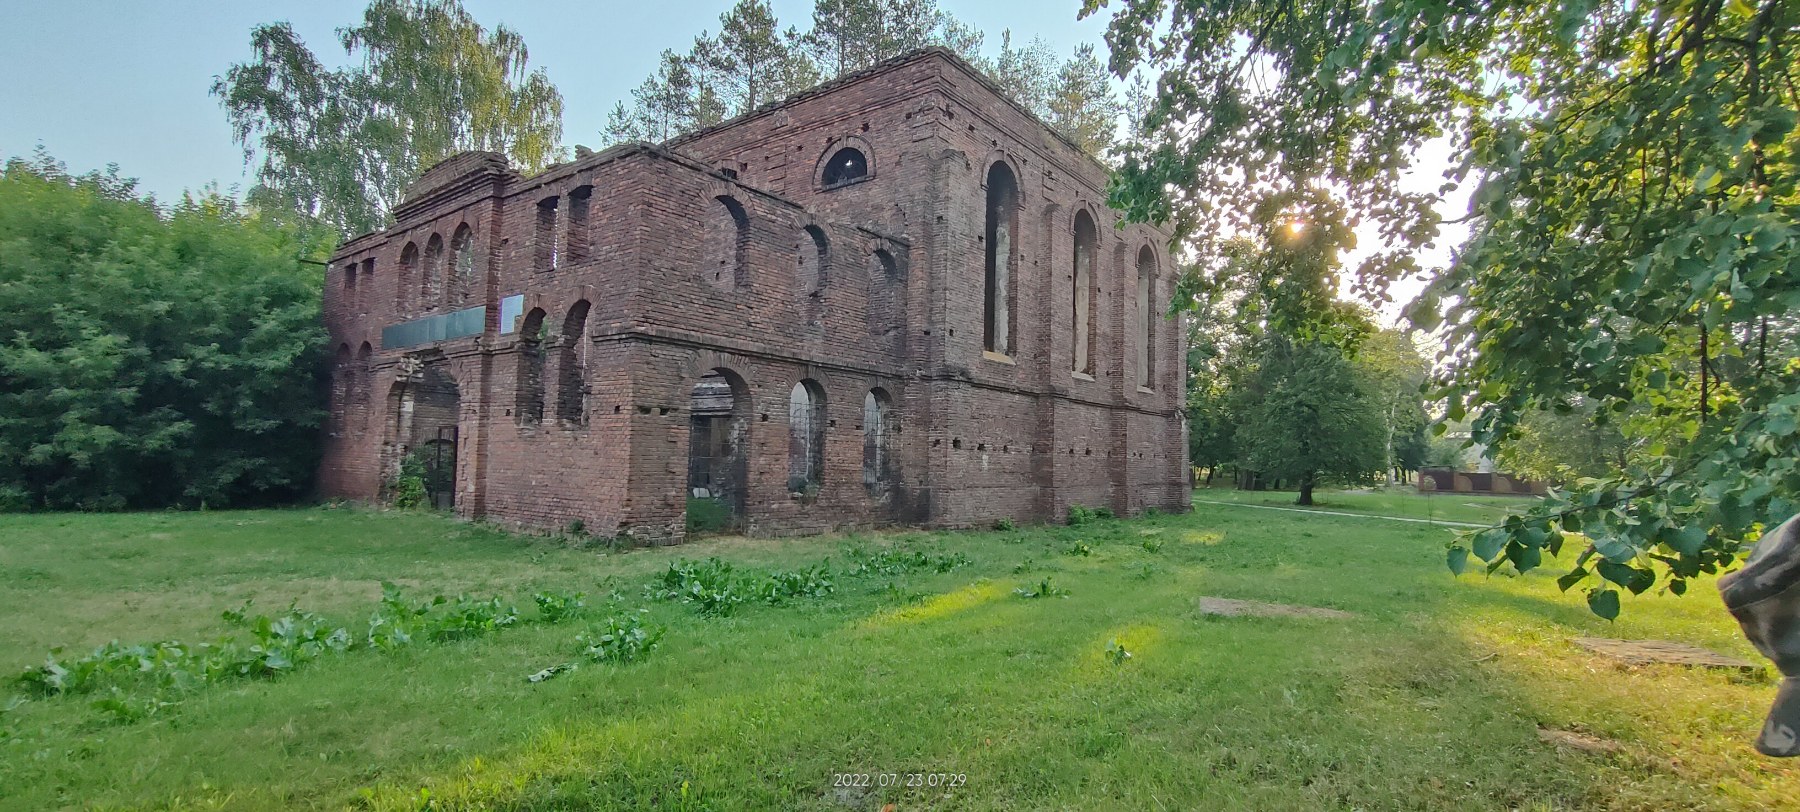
x=981, y=437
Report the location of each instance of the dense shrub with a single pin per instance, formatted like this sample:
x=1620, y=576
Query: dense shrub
x=151, y=355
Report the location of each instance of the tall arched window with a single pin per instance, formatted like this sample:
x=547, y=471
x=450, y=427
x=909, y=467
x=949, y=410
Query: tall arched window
x=727, y=244
x=367, y=281
x=571, y=367
x=544, y=237
x=806, y=437
x=1146, y=312
x=350, y=283
x=815, y=252
x=530, y=386
x=1082, y=293
x=340, y=388
x=462, y=249
x=575, y=232
x=409, y=262
x=996, y=297
x=431, y=276
x=878, y=430
x=846, y=165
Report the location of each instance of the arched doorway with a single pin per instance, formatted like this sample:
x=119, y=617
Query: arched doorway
x=425, y=410
x=718, y=452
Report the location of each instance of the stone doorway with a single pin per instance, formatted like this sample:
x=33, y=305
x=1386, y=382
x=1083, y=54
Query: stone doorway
x=718, y=452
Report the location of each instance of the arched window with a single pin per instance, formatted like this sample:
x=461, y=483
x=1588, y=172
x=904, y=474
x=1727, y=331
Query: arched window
x=1082, y=293
x=846, y=165
x=575, y=233
x=530, y=389
x=806, y=438
x=544, y=238
x=571, y=367
x=409, y=261
x=878, y=429
x=364, y=375
x=340, y=388
x=727, y=244
x=996, y=297
x=462, y=249
x=350, y=282
x=814, y=251
x=431, y=278
x=1146, y=310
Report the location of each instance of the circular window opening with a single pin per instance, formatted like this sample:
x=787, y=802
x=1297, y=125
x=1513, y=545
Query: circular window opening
x=847, y=165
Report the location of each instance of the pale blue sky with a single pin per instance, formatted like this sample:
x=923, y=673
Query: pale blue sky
x=99, y=81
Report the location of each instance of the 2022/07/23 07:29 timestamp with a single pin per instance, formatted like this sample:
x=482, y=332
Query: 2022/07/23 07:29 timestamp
x=898, y=779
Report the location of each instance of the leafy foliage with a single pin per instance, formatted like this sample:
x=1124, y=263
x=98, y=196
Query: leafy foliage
x=556, y=607
x=152, y=357
x=1634, y=223
x=621, y=639
x=713, y=587
x=899, y=561
x=1115, y=653
x=1312, y=420
x=781, y=587
x=342, y=145
x=753, y=62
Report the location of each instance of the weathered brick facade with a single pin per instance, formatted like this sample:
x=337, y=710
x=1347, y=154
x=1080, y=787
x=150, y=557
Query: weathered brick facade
x=557, y=336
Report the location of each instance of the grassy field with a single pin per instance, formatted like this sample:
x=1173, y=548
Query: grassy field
x=1396, y=501
x=1431, y=697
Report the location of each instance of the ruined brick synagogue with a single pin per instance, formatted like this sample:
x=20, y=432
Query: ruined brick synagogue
x=897, y=298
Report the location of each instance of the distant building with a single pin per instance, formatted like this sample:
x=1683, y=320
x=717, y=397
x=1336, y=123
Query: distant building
x=896, y=298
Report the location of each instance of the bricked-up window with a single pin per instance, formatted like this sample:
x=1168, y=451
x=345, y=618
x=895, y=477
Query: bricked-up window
x=575, y=231
x=530, y=387
x=368, y=280
x=1146, y=314
x=806, y=438
x=815, y=255
x=847, y=165
x=726, y=259
x=1082, y=313
x=409, y=262
x=996, y=295
x=544, y=238
x=431, y=275
x=878, y=430
x=364, y=377
x=350, y=282
x=462, y=275
x=571, y=367
x=340, y=388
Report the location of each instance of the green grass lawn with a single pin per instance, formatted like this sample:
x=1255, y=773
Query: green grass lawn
x=1398, y=500
x=1430, y=698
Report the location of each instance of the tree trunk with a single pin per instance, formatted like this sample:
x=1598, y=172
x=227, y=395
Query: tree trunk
x=1306, y=488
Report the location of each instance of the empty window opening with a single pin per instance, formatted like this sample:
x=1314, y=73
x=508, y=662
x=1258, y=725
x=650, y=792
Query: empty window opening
x=424, y=423
x=530, y=388
x=462, y=248
x=350, y=281
x=727, y=244
x=1082, y=294
x=367, y=282
x=545, y=235
x=846, y=165
x=1002, y=208
x=575, y=232
x=814, y=254
x=431, y=276
x=718, y=459
x=1145, y=337
x=806, y=438
x=409, y=261
x=878, y=458
x=571, y=367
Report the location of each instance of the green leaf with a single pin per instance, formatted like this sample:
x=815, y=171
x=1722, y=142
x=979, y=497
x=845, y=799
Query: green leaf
x=1488, y=544
x=1604, y=602
x=1524, y=557
x=1457, y=559
x=1571, y=578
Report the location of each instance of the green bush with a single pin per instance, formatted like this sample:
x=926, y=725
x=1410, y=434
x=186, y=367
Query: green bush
x=154, y=356
x=707, y=515
x=408, y=487
x=713, y=587
x=619, y=640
